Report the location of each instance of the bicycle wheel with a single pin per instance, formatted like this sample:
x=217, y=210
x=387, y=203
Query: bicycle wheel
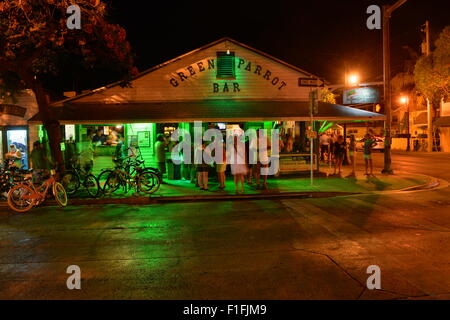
x=92, y=186
x=148, y=182
x=102, y=177
x=60, y=194
x=70, y=182
x=20, y=198
x=112, y=184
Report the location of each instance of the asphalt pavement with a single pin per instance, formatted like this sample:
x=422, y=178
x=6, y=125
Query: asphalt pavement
x=261, y=249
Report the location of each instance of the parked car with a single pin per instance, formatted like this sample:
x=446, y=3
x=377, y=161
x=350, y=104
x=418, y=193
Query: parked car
x=378, y=147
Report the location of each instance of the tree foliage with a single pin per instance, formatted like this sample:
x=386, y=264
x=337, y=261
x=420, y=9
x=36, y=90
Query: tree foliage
x=36, y=43
x=432, y=73
x=326, y=95
x=38, y=51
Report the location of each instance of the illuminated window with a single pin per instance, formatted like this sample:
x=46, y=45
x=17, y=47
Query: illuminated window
x=225, y=65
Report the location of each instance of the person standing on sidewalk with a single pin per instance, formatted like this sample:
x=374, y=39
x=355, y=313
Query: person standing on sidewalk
x=238, y=165
x=352, y=154
x=263, y=157
x=160, y=152
x=249, y=148
x=221, y=168
x=87, y=155
x=333, y=140
x=324, y=146
x=339, y=151
x=202, y=170
x=39, y=162
x=369, y=143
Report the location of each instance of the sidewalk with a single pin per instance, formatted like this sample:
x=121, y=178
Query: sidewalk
x=281, y=187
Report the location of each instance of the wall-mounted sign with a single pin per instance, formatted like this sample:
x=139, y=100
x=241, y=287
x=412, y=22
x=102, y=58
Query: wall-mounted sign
x=361, y=95
x=240, y=66
x=310, y=82
x=13, y=110
x=143, y=138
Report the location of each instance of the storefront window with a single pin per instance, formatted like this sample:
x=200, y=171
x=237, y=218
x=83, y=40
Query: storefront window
x=20, y=140
x=70, y=132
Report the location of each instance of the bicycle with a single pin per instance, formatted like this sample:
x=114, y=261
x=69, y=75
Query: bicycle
x=74, y=178
x=129, y=164
x=10, y=176
x=137, y=160
x=26, y=195
x=143, y=180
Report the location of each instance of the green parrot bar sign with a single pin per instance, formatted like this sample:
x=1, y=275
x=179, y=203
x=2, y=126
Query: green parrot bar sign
x=226, y=67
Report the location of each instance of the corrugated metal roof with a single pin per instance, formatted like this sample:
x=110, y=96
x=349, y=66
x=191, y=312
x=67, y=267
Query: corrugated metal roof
x=209, y=111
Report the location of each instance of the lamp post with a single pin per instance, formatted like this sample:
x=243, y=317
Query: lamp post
x=349, y=81
x=387, y=11
x=405, y=101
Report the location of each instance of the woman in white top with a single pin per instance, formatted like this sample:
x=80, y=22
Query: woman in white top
x=238, y=166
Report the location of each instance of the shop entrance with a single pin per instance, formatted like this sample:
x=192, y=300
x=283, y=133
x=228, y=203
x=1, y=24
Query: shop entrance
x=19, y=138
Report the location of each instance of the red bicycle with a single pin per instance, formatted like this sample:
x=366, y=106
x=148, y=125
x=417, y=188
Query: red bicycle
x=26, y=195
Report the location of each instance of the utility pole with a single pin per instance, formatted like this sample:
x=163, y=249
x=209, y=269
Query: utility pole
x=408, y=145
x=426, y=48
x=387, y=11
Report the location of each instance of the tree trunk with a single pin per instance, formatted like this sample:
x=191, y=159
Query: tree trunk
x=51, y=125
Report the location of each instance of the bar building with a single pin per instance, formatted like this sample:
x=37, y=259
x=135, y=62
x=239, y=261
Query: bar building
x=224, y=84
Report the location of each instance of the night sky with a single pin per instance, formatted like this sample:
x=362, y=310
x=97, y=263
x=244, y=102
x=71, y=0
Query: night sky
x=323, y=37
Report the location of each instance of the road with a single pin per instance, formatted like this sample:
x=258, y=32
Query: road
x=280, y=249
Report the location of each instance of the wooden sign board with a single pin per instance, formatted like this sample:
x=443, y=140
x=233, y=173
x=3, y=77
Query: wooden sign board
x=310, y=82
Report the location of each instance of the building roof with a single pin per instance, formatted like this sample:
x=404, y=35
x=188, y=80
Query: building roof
x=153, y=98
x=208, y=111
x=144, y=73
x=442, y=122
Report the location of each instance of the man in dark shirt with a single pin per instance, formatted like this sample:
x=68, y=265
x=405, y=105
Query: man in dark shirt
x=99, y=138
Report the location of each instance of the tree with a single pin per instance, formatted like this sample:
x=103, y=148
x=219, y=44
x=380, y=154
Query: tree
x=432, y=72
x=37, y=50
x=326, y=95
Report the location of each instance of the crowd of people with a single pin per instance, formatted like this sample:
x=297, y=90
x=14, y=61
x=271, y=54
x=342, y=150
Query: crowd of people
x=333, y=149
x=237, y=160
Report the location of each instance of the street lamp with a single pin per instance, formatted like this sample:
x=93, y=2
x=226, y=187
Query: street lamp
x=387, y=11
x=353, y=79
x=404, y=100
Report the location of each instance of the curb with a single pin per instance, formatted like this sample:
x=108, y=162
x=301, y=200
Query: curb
x=434, y=183
x=173, y=199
